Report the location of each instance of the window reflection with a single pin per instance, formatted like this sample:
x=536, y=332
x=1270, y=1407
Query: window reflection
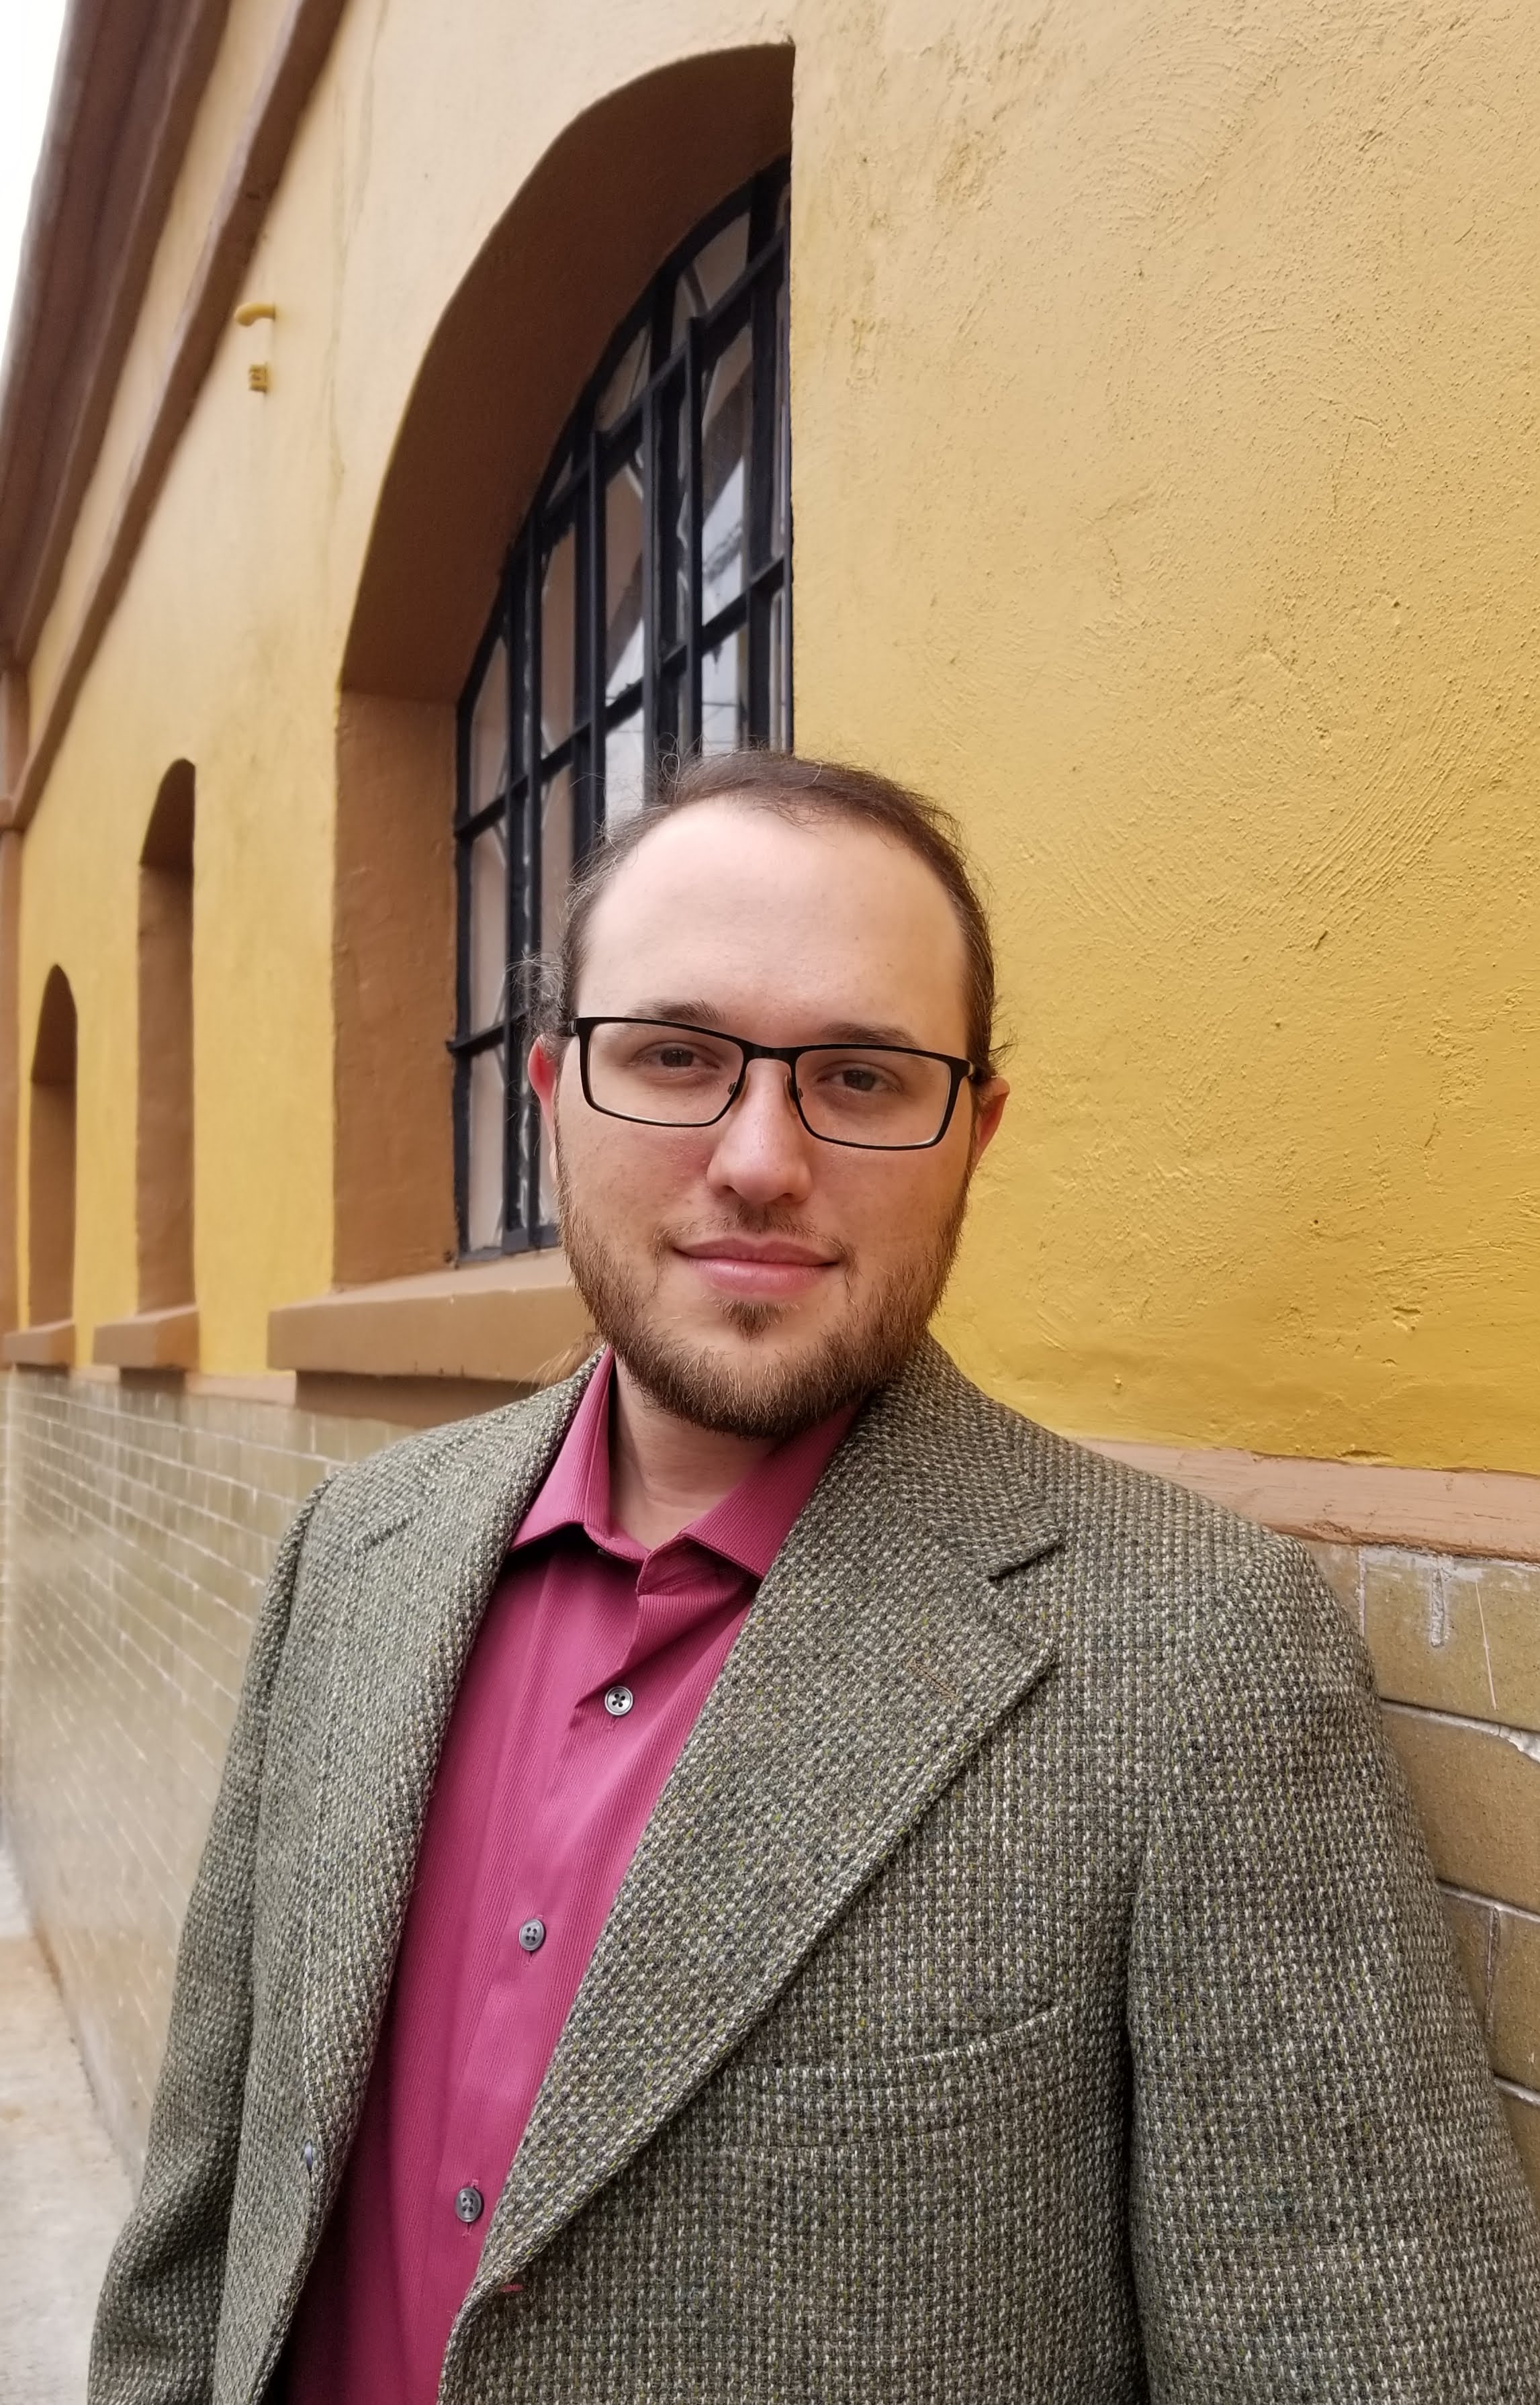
x=626, y=382
x=723, y=694
x=556, y=855
x=625, y=769
x=624, y=630
x=557, y=635
x=489, y=731
x=724, y=470
x=483, y=1209
x=715, y=266
x=489, y=924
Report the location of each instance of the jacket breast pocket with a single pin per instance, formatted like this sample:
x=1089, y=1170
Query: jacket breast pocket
x=764, y=2106
x=881, y=2226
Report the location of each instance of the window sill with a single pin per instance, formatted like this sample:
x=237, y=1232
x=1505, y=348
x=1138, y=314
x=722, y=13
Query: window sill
x=151, y=1340
x=508, y=1323
x=49, y=1346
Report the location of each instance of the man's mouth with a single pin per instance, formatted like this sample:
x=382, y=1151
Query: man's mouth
x=758, y=1269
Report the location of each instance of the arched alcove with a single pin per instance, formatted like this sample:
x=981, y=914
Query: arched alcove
x=164, y=1149
x=51, y=1174
x=618, y=189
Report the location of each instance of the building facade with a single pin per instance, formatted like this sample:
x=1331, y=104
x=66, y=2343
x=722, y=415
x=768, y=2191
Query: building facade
x=1114, y=420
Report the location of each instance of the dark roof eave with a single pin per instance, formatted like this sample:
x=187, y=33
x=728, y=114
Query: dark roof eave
x=129, y=76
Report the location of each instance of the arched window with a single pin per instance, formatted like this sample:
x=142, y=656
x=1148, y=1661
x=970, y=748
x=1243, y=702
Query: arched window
x=50, y=1169
x=646, y=607
x=165, y=1147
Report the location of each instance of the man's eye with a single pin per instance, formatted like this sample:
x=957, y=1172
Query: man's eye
x=672, y=1056
x=857, y=1077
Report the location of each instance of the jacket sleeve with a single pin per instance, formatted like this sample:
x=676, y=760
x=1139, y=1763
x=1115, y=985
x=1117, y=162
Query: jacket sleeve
x=158, y=2317
x=1325, y=2201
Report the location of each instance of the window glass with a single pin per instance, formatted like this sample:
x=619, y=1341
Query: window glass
x=645, y=611
x=625, y=769
x=724, y=473
x=624, y=631
x=675, y=571
x=484, y=1229
x=489, y=915
x=714, y=268
x=557, y=637
x=556, y=855
x=490, y=732
x=724, y=695
x=626, y=382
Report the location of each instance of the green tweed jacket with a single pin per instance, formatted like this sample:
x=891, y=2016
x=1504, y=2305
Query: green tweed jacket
x=1030, y=1986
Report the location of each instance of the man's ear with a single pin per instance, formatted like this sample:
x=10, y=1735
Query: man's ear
x=545, y=1067
x=989, y=1103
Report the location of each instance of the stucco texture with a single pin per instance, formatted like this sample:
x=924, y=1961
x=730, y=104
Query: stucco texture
x=1163, y=417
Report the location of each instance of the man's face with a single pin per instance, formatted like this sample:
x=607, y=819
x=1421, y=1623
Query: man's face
x=750, y=1276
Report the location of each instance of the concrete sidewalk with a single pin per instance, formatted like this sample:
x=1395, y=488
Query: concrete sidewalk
x=62, y=2190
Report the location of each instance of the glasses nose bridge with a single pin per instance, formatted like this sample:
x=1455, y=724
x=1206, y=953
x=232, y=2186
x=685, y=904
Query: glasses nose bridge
x=762, y=1057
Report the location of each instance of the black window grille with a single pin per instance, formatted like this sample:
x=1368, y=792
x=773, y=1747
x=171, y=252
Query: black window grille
x=644, y=609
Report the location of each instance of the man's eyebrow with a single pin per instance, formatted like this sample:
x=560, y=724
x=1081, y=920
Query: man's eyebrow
x=857, y=1031
x=835, y=1031
x=686, y=1014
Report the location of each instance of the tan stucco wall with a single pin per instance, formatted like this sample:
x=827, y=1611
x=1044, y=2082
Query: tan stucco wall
x=1163, y=387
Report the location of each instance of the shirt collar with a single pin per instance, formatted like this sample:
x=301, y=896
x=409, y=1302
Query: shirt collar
x=748, y=1526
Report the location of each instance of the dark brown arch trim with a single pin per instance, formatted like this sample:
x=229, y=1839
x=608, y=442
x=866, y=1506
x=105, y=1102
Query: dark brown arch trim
x=50, y=1168
x=164, y=1150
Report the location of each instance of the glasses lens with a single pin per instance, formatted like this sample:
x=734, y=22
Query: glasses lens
x=648, y=1069
x=865, y=1095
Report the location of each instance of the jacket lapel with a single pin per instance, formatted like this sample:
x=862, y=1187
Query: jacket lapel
x=880, y=1651
x=417, y=1584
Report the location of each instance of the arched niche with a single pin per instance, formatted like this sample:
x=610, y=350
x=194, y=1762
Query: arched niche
x=50, y=1169
x=618, y=189
x=163, y=1144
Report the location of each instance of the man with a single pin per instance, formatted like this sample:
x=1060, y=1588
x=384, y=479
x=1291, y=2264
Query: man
x=758, y=1874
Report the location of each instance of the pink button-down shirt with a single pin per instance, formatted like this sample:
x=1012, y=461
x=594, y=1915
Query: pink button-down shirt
x=590, y=1671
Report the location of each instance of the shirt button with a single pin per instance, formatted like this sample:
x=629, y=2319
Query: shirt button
x=532, y=1936
x=469, y=2204
x=618, y=1702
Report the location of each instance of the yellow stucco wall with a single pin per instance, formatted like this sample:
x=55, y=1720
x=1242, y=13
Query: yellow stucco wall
x=1162, y=403
x=1179, y=412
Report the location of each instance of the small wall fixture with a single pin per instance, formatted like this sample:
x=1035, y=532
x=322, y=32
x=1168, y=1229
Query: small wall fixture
x=260, y=375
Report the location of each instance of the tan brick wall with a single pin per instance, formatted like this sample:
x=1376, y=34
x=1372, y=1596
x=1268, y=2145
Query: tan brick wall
x=140, y=1524
x=139, y=1521
x=1455, y=1648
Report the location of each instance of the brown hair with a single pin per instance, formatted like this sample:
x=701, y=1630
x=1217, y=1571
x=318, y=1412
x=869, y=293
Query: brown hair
x=803, y=791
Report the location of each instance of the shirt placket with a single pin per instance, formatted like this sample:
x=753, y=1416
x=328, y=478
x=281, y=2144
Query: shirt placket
x=620, y=1704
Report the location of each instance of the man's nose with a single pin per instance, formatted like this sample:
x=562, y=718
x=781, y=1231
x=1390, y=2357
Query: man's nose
x=763, y=1152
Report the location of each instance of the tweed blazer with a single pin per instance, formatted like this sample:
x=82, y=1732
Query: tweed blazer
x=1030, y=1986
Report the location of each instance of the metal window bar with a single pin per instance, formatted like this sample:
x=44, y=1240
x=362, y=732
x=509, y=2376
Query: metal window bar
x=573, y=496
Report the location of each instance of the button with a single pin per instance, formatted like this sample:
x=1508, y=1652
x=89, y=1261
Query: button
x=307, y=2155
x=469, y=2205
x=618, y=1702
x=532, y=1936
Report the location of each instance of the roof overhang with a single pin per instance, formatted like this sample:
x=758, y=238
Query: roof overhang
x=129, y=76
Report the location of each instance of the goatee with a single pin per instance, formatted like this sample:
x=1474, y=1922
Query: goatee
x=769, y=1394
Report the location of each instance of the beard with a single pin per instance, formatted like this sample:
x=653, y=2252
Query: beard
x=730, y=1391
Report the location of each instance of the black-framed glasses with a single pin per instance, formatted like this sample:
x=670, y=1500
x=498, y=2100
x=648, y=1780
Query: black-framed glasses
x=665, y=1073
